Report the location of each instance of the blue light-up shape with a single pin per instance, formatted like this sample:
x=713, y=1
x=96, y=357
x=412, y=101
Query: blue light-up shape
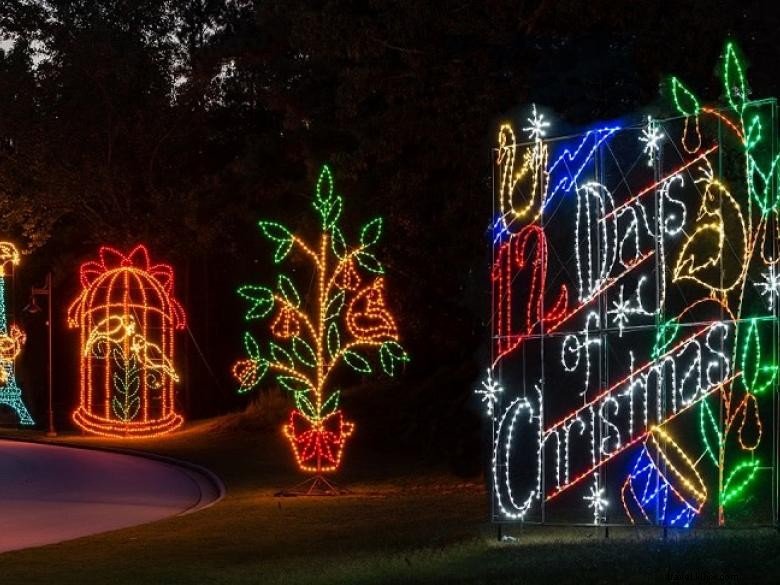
x=500, y=231
x=565, y=171
x=10, y=393
x=656, y=496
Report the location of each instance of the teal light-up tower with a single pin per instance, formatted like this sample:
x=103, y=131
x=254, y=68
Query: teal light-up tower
x=11, y=341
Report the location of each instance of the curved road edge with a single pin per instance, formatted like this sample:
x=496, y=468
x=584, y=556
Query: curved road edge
x=208, y=482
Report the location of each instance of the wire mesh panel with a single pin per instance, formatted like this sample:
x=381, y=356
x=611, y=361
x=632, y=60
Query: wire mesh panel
x=633, y=371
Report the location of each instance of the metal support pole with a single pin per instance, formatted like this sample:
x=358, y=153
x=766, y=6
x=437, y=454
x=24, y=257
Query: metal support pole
x=33, y=308
x=50, y=324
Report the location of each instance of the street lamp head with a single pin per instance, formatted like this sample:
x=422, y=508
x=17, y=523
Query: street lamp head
x=32, y=307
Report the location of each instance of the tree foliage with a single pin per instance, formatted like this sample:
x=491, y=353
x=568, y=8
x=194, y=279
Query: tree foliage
x=181, y=123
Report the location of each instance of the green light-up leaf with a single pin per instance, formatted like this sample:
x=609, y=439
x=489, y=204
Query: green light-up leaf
x=371, y=232
x=333, y=213
x=331, y=405
x=323, y=198
x=337, y=243
x=119, y=358
x=369, y=262
x=667, y=333
x=684, y=100
x=262, y=299
x=281, y=355
x=280, y=235
x=710, y=432
x=750, y=356
x=305, y=405
x=333, y=340
x=734, y=80
x=757, y=374
x=293, y=383
x=357, y=362
x=128, y=387
x=740, y=478
x=767, y=375
x=288, y=290
x=390, y=355
x=325, y=184
x=335, y=304
x=251, y=346
x=126, y=403
x=304, y=352
x=760, y=182
x=753, y=133
x=127, y=412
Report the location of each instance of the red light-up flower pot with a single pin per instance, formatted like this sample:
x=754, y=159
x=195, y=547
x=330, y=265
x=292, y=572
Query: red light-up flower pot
x=318, y=444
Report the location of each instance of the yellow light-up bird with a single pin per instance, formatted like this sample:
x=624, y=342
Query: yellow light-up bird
x=119, y=329
x=719, y=225
x=115, y=329
x=152, y=357
x=521, y=191
x=8, y=255
x=11, y=341
x=10, y=348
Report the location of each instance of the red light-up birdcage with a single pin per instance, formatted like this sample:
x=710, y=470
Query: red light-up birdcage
x=127, y=316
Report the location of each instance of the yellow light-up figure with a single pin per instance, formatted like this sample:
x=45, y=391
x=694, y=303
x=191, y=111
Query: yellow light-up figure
x=701, y=258
x=11, y=341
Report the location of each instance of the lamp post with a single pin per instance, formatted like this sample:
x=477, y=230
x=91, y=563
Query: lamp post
x=32, y=308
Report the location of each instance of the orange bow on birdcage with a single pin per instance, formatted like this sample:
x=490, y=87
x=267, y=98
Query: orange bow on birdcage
x=318, y=444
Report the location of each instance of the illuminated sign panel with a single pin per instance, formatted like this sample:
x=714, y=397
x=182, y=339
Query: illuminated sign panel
x=634, y=317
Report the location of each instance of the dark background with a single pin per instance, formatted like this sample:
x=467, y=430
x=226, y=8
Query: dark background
x=180, y=124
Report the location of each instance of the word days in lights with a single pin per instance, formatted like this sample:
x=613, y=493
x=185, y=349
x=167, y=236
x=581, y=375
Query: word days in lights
x=672, y=283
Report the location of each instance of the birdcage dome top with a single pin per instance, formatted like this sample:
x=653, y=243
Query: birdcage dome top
x=126, y=281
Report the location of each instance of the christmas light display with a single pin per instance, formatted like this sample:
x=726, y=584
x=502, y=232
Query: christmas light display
x=635, y=327
x=345, y=316
x=127, y=317
x=11, y=341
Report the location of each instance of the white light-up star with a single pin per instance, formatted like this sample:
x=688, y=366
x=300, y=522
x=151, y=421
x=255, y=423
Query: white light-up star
x=537, y=125
x=651, y=137
x=623, y=307
x=597, y=501
x=489, y=391
x=769, y=286
x=621, y=311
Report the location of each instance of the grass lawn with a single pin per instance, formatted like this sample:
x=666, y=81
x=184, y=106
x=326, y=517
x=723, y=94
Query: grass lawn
x=404, y=524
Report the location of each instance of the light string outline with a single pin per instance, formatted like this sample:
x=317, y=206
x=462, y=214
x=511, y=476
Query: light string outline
x=127, y=317
x=749, y=371
x=311, y=336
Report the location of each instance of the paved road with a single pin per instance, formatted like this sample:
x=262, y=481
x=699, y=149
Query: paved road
x=50, y=494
